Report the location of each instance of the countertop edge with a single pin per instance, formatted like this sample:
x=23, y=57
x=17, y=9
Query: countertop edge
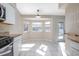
x=12, y=35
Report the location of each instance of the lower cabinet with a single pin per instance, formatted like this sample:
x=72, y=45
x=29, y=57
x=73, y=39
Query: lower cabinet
x=17, y=45
x=72, y=48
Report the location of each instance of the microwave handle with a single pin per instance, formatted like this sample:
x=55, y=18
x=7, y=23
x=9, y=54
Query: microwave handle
x=2, y=12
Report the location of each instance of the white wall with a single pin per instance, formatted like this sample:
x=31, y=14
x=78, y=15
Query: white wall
x=50, y=36
x=18, y=26
x=39, y=35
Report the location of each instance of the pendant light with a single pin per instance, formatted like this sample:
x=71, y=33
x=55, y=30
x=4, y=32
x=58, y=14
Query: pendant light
x=37, y=16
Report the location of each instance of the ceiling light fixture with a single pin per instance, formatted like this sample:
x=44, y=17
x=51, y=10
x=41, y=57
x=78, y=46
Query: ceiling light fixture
x=37, y=16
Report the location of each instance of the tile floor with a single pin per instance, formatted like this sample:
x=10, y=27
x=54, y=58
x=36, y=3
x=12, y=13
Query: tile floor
x=42, y=48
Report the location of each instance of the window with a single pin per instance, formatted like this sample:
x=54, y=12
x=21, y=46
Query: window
x=26, y=25
x=37, y=27
x=47, y=26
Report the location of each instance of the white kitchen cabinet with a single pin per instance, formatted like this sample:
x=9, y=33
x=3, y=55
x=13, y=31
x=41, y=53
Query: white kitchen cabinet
x=17, y=45
x=72, y=48
x=10, y=14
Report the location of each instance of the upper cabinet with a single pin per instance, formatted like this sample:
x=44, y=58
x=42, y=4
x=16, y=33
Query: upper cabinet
x=10, y=14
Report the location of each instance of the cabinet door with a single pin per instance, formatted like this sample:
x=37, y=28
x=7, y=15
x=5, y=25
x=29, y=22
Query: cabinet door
x=10, y=14
x=17, y=45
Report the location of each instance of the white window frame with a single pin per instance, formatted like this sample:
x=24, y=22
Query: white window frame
x=47, y=24
x=39, y=24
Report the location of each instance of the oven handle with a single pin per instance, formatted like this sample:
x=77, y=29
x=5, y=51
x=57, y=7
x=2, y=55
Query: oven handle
x=6, y=46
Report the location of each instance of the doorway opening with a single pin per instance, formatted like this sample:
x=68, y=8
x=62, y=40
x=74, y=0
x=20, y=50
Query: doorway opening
x=61, y=32
x=61, y=40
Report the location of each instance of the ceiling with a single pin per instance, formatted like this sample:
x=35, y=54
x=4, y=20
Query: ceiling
x=44, y=8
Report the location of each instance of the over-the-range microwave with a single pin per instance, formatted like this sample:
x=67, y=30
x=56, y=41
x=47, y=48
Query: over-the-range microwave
x=2, y=13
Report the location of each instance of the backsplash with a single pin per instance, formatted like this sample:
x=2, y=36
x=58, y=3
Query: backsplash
x=4, y=28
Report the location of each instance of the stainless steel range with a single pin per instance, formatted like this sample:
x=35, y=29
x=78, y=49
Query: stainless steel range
x=6, y=46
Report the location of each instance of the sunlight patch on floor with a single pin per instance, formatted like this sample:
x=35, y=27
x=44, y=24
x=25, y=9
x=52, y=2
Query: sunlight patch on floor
x=62, y=46
x=27, y=47
x=42, y=49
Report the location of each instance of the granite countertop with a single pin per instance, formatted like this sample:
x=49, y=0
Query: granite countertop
x=10, y=35
x=74, y=37
x=14, y=35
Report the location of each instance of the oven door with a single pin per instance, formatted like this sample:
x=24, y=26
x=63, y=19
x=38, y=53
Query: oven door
x=7, y=50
